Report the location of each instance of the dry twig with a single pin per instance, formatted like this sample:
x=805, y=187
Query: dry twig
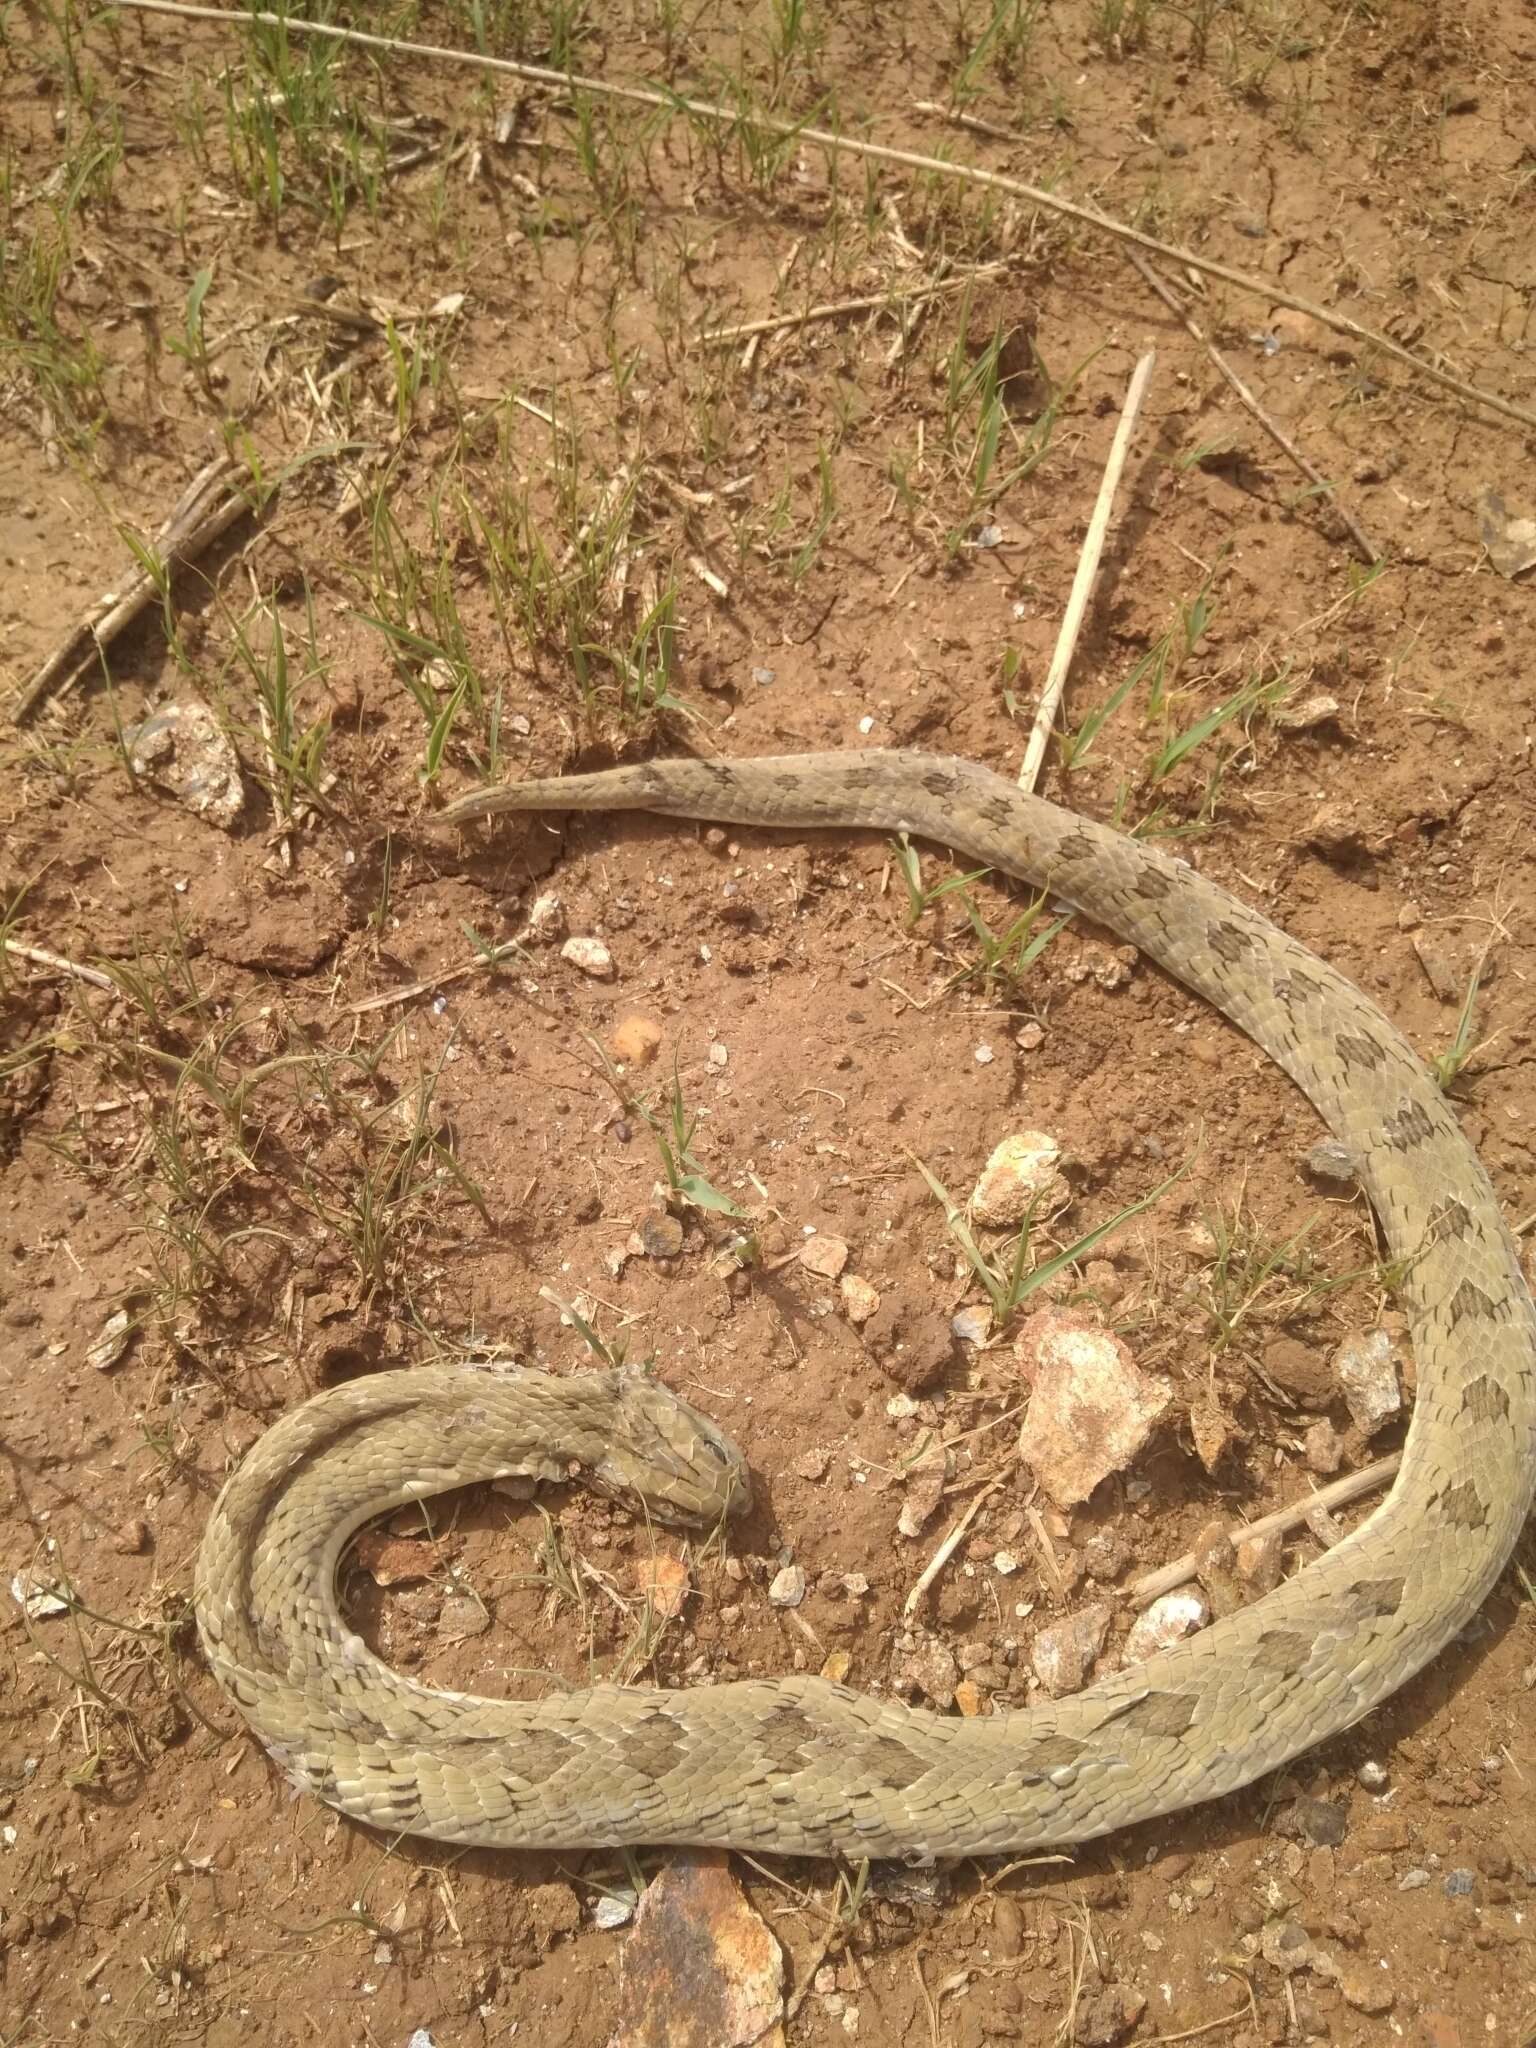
x=1141, y=1592
x=211, y=503
x=1087, y=574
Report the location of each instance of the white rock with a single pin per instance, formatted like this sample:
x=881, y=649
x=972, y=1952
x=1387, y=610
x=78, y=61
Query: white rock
x=546, y=920
x=1091, y=1407
x=1367, y=1371
x=1022, y=1176
x=788, y=1588
x=590, y=955
x=1063, y=1651
x=1167, y=1621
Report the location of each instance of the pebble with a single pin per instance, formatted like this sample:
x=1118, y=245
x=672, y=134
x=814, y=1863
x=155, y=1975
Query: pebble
x=1108, y=2016
x=660, y=1235
x=590, y=956
x=1062, y=1652
x=1367, y=1991
x=1413, y=1880
x=463, y=1614
x=1106, y=1555
x=1029, y=1037
x=972, y=1325
x=1323, y=1447
x=1259, y=1560
x=931, y=1670
x=1091, y=1407
x=1167, y=1621
x=924, y=1490
x=546, y=920
x=824, y=1255
x=132, y=1539
x=1372, y=1775
x=1318, y=1821
x=1331, y=1161
x=637, y=1040
x=1021, y=1178
x=788, y=1587
x=1459, y=1884
x=860, y=1301
x=811, y=1465
x=1367, y=1372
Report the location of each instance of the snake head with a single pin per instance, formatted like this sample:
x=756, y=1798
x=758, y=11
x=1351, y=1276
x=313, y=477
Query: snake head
x=684, y=1468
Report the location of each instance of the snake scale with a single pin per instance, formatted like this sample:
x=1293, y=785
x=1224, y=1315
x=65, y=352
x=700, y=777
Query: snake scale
x=800, y=1765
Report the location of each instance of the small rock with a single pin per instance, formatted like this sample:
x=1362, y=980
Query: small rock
x=811, y=1465
x=591, y=956
x=132, y=1538
x=1107, y=2016
x=1287, y=1947
x=663, y=1582
x=924, y=1490
x=788, y=1588
x=930, y=1669
x=1104, y=1282
x=1166, y=1622
x=1022, y=1178
x=1372, y=1775
x=972, y=1325
x=1307, y=713
x=1413, y=1880
x=546, y=920
x=1212, y=1432
x=971, y=1700
x=660, y=1235
x=1260, y=1559
x=1064, y=1650
x=1460, y=1884
x=637, y=1040
x=1367, y=1991
x=824, y=1255
x=111, y=1341
x=1367, y=1372
x=1323, y=1448
x=1297, y=1371
x=860, y=1301
x=1091, y=1408
x=1445, y=969
x=1330, y=1161
x=1006, y=1562
x=1030, y=1036
x=183, y=750
x=1106, y=1555
x=1318, y=1821
x=463, y=1614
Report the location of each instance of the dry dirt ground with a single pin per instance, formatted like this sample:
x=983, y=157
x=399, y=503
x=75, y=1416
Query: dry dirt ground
x=509, y=511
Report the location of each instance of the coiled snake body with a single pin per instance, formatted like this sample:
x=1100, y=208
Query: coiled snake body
x=797, y=1764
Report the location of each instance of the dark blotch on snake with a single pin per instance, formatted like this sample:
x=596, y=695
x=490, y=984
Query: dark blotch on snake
x=652, y=1746
x=1470, y=1300
x=1153, y=885
x=1167, y=1714
x=1075, y=847
x=538, y=1755
x=1359, y=1049
x=1451, y=1219
x=1376, y=1599
x=1281, y=1652
x=1227, y=942
x=891, y=1763
x=1484, y=1400
x=1461, y=1505
x=1409, y=1126
x=787, y=1738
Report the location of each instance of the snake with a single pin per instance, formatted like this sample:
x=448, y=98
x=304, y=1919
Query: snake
x=798, y=1764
